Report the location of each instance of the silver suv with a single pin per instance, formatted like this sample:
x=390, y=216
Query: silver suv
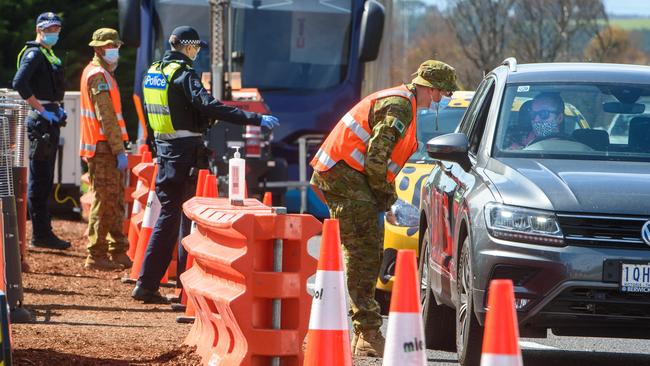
x=531, y=188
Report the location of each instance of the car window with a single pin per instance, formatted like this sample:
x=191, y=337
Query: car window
x=574, y=121
x=478, y=127
x=470, y=116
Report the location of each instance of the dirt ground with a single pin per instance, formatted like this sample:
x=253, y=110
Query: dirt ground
x=87, y=317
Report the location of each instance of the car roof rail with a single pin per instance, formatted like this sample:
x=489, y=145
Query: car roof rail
x=511, y=62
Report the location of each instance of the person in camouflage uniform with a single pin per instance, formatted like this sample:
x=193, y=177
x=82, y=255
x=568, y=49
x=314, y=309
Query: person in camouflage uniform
x=106, y=168
x=357, y=198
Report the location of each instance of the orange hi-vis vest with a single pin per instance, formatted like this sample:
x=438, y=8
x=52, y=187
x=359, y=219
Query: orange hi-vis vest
x=91, y=127
x=349, y=139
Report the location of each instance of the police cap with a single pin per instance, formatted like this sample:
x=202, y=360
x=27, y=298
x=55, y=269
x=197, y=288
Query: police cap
x=47, y=19
x=188, y=35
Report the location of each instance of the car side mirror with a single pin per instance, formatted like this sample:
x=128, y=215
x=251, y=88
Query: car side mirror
x=452, y=147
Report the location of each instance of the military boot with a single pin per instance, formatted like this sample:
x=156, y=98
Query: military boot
x=122, y=259
x=370, y=343
x=355, y=339
x=101, y=263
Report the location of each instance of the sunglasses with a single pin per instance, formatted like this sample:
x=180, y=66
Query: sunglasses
x=543, y=113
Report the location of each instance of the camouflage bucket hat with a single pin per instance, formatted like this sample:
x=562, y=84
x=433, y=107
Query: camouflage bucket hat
x=436, y=74
x=105, y=36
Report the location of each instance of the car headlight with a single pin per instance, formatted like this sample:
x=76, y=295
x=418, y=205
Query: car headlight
x=405, y=213
x=523, y=224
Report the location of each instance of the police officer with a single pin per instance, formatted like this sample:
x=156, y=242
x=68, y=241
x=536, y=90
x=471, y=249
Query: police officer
x=179, y=111
x=103, y=133
x=355, y=168
x=40, y=81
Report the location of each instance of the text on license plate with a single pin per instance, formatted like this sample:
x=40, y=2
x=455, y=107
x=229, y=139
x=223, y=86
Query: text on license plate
x=635, y=277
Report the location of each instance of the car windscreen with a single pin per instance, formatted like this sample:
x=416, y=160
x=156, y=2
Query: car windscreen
x=429, y=127
x=574, y=121
x=291, y=45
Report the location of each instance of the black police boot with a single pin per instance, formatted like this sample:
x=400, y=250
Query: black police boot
x=49, y=242
x=148, y=296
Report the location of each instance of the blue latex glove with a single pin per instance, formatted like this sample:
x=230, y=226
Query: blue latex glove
x=122, y=161
x=269, y=121
x=61, y=113
x=50, y=117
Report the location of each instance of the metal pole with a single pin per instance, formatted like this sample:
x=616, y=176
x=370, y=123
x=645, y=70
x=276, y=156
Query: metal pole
x=277, y=267
x=302, y=159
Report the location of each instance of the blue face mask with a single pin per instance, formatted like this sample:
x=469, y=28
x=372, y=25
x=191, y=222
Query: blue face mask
x=442, y=104
x=111, y=55
x=50, y=39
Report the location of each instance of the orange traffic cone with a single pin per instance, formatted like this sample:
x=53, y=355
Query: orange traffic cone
x=328, y=339
x=405, y=333
x=134, y=225
x=210, y=186
x=151, y=213
x=501, y=337
x=268, y=199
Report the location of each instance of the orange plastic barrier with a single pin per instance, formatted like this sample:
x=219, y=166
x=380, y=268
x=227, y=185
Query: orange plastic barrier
x=144, y=172
x=234, y=288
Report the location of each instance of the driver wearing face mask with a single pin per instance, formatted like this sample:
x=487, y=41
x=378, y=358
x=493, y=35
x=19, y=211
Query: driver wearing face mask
x=546, y=118
x=103, y=133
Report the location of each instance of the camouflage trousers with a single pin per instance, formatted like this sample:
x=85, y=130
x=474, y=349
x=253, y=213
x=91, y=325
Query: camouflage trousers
x=107, y=210
x=362, y=251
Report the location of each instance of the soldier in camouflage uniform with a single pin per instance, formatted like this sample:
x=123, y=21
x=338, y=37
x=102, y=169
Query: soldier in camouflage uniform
x=356, y=197
x=108, y=163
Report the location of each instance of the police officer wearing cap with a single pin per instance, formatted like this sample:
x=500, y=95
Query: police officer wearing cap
x=355, y=169
x=40, y=81
x=179, y=111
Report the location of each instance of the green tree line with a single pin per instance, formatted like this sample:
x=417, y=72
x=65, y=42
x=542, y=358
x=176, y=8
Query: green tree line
x=80, y=19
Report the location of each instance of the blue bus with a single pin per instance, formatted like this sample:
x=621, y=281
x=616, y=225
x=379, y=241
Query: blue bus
x=305, y=57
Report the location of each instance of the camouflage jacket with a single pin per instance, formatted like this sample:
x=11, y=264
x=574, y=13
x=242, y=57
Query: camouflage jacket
x=101, y=98
x=389, y=120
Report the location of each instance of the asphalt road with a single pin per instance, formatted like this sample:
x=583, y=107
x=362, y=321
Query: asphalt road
x=570, y=351
x=551, y=351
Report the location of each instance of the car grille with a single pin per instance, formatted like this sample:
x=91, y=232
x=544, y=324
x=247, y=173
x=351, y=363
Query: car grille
x=603, y=231
x=599, y=302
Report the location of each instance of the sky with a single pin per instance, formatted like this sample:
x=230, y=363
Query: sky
x=614, y=7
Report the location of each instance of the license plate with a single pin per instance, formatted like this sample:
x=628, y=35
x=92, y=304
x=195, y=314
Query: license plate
x=635, y=277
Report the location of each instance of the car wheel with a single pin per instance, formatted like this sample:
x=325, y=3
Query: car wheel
x=469, y=334
x=439, y=320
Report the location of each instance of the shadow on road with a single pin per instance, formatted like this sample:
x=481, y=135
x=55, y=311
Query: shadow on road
x=583, y=358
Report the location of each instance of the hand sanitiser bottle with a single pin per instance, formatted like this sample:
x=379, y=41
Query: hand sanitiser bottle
x=237, y=178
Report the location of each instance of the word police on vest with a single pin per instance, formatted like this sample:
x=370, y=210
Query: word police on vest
x=156, y=81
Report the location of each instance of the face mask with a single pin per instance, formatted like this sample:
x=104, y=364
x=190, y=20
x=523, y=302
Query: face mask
x=50, y=39
x=193, y=58
x=111, y=55
x=545, y=128
x=444, y=102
